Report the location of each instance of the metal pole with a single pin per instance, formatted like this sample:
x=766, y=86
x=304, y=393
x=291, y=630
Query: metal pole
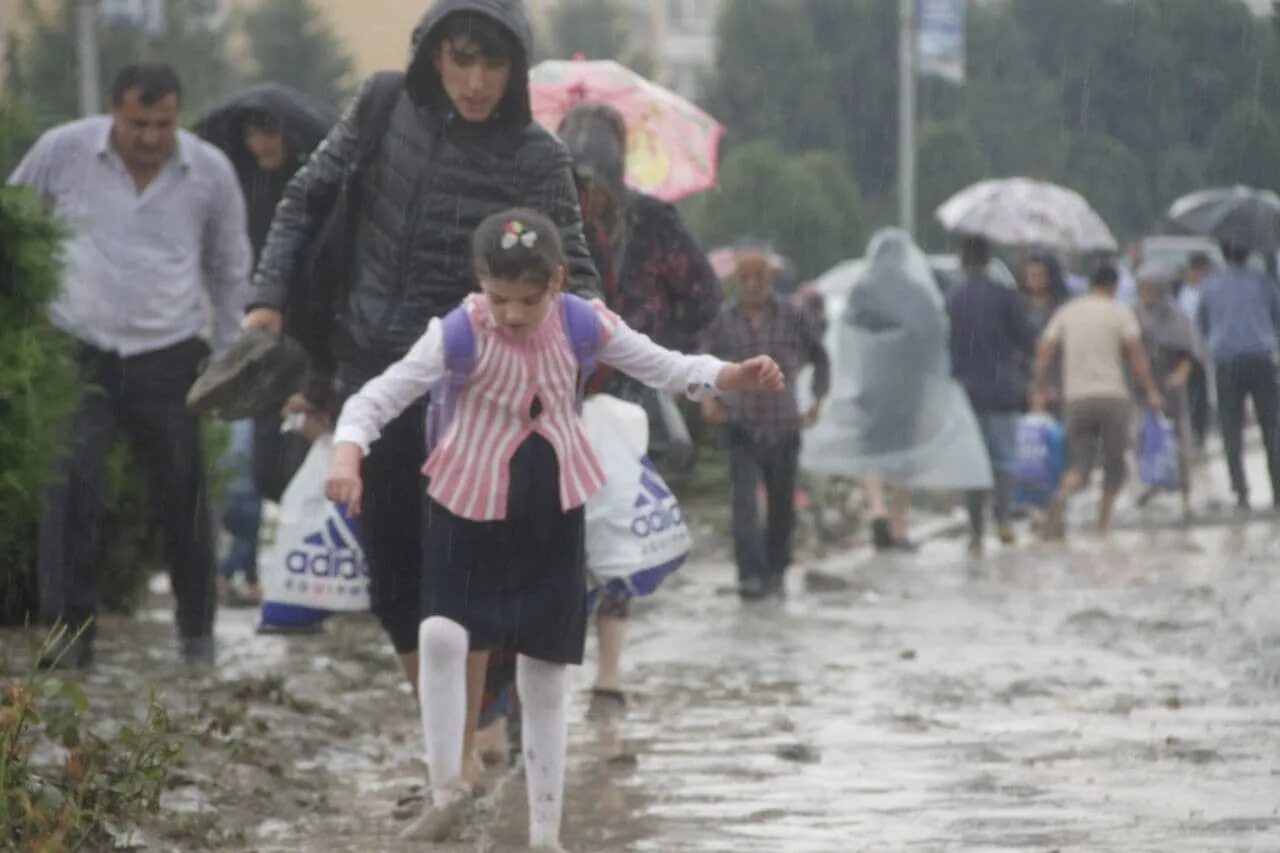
x=907, y=115
x=87, y=44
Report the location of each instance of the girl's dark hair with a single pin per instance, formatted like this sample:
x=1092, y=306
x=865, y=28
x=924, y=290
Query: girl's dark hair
x=517, y=245
x=494, y=40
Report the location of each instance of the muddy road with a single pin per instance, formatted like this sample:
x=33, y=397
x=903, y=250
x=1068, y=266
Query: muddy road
x=1119, y=694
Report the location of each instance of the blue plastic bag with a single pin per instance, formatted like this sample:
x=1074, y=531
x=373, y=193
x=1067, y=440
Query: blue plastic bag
x=1158, y=465
x=1042, y=456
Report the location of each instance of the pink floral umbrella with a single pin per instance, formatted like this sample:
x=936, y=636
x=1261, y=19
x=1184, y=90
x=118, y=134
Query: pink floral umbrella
x=671, y=144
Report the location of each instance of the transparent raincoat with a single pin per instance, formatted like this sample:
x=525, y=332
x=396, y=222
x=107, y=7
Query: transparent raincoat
x=894, y=410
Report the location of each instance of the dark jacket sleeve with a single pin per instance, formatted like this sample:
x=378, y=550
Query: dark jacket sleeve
x=307, y=201
x=553, y=193
x=1021, y=327
x=694, y=292
x=815, y=353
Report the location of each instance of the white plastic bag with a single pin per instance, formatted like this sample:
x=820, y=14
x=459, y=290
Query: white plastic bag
x=315, y=559
x=636, y=535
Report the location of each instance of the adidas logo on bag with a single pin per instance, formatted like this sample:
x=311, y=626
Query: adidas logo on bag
x=329, y=560
x=657, y=510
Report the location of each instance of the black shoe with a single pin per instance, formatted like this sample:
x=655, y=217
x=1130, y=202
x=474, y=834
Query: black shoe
x=606, y=706
x=1242, y=505
x=752, y=589
x=881, y=535
x=197, y=651
x=70, y=651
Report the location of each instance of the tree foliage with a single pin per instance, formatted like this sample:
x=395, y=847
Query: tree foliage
x=1131, y=102
x=805, y=204
x=38, y=384
x=291, y=42
x=42, y=71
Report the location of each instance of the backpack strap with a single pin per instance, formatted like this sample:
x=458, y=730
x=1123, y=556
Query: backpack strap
x=373, y=114
x=582, y=329
x=459, y=362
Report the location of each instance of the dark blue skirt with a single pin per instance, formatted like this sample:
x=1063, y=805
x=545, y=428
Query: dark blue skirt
x=518, y=584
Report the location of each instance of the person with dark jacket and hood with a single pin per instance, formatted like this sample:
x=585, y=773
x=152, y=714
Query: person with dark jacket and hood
x=992, y=342
x=267, y=132
x=460, y=144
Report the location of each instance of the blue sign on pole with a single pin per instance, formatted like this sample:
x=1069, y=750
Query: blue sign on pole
x=146, y=16
x=940, y=38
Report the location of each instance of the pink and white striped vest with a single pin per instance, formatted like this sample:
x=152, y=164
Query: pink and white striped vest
x=470, y=467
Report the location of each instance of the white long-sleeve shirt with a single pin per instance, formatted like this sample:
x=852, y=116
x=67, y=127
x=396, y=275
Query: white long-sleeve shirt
x=137, y=262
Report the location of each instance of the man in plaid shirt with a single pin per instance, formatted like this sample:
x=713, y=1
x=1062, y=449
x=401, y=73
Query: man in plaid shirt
x=763, y=429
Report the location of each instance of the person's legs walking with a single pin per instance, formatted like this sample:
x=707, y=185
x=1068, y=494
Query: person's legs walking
x=748, y=540
x=69, y=532
x=542, y=695
x=166, y=439
x=1114, y=429
x=1231, y=421
x=976, y=499
x=1265, y=394
x=442, y=678
x=391, y=523
x=1198, y=400
x=1002, y=444
x=1084, y=439
x=781, y=464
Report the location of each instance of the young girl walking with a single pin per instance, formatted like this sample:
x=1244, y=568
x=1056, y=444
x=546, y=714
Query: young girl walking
x=506, y=485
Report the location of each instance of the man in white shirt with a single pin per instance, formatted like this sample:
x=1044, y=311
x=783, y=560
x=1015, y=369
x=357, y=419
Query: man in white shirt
x=156, y=224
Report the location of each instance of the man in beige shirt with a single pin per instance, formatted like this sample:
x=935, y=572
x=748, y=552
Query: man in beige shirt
x=1097, y=337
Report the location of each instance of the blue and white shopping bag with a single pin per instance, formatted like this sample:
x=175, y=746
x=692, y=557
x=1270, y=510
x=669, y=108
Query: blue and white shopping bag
x=1041, y=460
x=314, y=559
x=636, y=535
x=1158, y=465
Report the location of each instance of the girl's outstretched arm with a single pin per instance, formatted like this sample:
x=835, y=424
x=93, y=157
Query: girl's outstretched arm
x=697, y=376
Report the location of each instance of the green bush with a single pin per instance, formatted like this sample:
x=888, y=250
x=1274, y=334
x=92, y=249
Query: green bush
x=39, y=388
x=66, y=787
x=38, y=384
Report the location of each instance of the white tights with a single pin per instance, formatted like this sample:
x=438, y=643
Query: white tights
x=442, y=679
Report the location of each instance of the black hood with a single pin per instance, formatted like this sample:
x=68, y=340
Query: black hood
x=423, y=81
x=599, y=156
x=305, y=120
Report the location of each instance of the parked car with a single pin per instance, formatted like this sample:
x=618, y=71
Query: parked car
x=1174, y=250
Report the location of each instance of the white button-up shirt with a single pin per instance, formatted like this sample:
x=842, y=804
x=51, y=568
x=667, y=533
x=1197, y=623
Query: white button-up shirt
x=136, y=263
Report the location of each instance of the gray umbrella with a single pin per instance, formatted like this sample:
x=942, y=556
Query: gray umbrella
x=1026, y=212
x=1242, y=216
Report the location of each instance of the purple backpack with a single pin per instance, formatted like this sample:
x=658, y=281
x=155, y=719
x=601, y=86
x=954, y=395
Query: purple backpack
x=581, y=327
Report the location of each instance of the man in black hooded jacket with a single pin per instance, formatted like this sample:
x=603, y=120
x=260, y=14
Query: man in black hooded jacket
x=460, y=144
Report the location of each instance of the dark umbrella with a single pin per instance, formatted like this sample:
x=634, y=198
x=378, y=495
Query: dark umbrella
x=1242, y=216
x=304, y=120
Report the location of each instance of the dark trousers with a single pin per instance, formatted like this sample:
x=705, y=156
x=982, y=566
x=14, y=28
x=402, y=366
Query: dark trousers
x=1198, y=400
x=762, y=553
x=145, y=397
x=1249, y=377
x=391, y=526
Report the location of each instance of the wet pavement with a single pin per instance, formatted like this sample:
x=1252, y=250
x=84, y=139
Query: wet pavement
x=1118, y=694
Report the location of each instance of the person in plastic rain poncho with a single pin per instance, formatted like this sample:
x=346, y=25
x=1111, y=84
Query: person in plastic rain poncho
x=895, y=416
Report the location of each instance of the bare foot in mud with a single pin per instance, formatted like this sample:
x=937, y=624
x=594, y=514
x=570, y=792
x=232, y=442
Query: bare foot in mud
x=491, y=742
x=441, y=819
x=473, y=767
